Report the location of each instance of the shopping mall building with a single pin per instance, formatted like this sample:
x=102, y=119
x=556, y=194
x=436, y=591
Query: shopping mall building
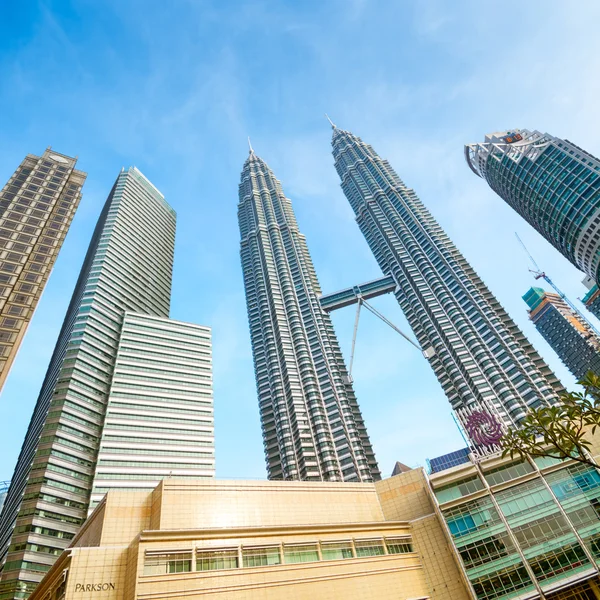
x=492, y=529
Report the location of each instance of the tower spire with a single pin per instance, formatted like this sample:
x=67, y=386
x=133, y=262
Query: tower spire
x=331, y=122
x=250, y=146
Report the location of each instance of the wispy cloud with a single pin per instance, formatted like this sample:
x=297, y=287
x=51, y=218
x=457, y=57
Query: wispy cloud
x=176, y=92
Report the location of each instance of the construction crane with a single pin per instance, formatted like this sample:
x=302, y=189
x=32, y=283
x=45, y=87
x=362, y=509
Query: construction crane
x=539, y=274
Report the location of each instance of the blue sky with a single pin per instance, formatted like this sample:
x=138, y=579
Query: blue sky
x=175, y=88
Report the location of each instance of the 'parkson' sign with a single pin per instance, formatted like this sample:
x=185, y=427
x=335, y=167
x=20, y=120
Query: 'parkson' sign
x=94, y=587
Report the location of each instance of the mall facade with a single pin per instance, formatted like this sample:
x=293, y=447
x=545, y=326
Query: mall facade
x=484, y=529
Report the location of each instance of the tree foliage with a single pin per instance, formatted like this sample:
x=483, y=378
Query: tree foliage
x=562, y=430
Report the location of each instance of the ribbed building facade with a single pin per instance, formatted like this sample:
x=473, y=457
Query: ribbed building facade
x=95, y=379
x=569, y=335
x=311, y=422
x=159, y=419
x=37, y=205
x=480, y=357
x=552, y=183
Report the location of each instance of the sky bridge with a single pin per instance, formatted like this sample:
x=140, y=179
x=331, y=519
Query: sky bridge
x=351, y=295
x=359, y=294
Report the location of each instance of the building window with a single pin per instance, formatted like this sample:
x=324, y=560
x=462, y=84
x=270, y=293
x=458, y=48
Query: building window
x=300, y=553
x=558, y=561
x=178, y=561
x=369, y=548
x=261, y=557
x=336, y=550
x=508, y=472
x=459, y=489
x=398, y=546
x=502, y=582
x=214, y=560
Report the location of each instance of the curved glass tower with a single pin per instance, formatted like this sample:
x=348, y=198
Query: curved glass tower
x=312, y=425
x=481, y=358
x=552, y=183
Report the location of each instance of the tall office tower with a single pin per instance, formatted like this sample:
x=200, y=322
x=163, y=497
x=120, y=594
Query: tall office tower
x=127, y=395
x=162, y=381
x=481, y=358
x=570, y=336
x=553, y=184
x=36, y=208
x=311, y=422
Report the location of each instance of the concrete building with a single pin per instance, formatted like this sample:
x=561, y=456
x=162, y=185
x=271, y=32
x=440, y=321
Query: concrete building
x=485, y=364
x=569, y=335
x=269, y=540
x=37, y=205
x=552, y=183
x=311, y=422
x=491, y=529
x=127, y=398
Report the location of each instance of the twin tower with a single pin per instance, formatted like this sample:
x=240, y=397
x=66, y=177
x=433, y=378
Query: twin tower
x=312, y=425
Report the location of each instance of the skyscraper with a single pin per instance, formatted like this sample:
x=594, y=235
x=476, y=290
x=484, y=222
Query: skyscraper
x=552, y=183
x=311, y=422
x=592, y=300
x=127, y=398
x=36, y=208
x=480, y=357
x=570, y=336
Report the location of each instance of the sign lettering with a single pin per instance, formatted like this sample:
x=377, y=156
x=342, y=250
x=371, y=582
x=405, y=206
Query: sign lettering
x=94, y=587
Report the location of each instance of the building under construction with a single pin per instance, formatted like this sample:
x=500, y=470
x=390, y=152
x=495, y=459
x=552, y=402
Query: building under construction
x=570, y=335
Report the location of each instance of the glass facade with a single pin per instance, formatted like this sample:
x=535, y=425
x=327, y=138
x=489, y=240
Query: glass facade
x=552, y=183
x=99, y=420
x=312, y=425
x=532, y=530
x=37, y=205
x=481, y=358
x=569, y=335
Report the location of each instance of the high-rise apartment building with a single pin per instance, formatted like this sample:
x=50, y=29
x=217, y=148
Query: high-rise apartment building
x=552, y=183
x=592, y=301
x=570, y=336
x=480, y=357
x=36, y=208
x=311, y=422
x=127, y=398
x=3, y=490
